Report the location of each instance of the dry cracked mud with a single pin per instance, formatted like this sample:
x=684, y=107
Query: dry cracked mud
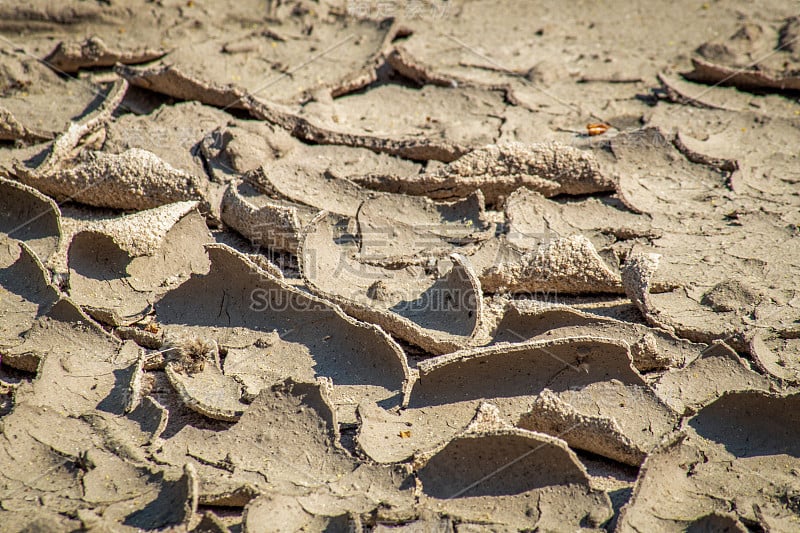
x=429, y=265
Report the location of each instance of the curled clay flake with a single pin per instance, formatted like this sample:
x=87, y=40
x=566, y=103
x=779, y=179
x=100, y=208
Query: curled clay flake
x=592, y=377
x=119, y=266
x=651, y=348
x=500, y=169
x=438, y=314
x=273, y=331
x=29, y=216
x=171, y=81
x=196, y=375
x=569, y=265
x=264, y=221
x=718, y=370
x=106, y=180
x=742, y=447
x=94, y=52
x=509, y=467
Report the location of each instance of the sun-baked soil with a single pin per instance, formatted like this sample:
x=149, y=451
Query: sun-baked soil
x=359, y=265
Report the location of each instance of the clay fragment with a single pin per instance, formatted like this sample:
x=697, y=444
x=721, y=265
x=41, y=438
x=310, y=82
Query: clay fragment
x=637, y=273
x=754, y=58
x=29, y=216
x=457, y=477
x=532, y=218
x=747, y=436
x=94, y=52
x=682, y=92
x=717, y=371
x=171, y=81
x=777, y=354
x=597, y=434
x=135, y=179
x=498, y=170
x=569, y=265
x=750, y=79
x=269, y=337
x=198, y=379
x=119, y=266
x=409, y=67
x=594, y=377
x=262, y=220
x=651, y=348
x=439, y=314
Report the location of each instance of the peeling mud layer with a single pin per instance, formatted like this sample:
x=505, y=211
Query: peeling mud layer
x=376, y=266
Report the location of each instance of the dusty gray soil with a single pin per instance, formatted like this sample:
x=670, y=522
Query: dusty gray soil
x=350, y=265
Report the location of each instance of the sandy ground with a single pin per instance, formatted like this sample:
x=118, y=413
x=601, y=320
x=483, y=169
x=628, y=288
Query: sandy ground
x=376, y=266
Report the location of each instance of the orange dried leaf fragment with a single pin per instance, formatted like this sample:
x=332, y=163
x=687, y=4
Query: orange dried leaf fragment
x=597, y=128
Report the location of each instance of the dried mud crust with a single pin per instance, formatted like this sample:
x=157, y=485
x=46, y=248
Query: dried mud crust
x=386, y=266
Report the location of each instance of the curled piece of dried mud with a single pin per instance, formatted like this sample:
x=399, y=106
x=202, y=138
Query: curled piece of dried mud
x=569, y=265
x=282, y=45
x=532, y=218
x=598, y=434
x=651, y=348
x=198, y=379
x=272, y=331
x=310, y=178
x=264, y=221
x=171, y=132
x=637, y=274
x=742, y=448
x=438, y=228
x=594, y=376
x=500, y=169
x=717, y=371
x=408, y=67
x=683, y=144
x=118, y=267
x=438, y=314
x=37, y=104
x=29, y=216
x=69, y=57
x=287, y=442
x=731, y=62
x=747, y=79
x=78, y=364
x=531, y=479
x=318, y=176
x=778, y=354
x=682, y=92
x=171, y=81
x=284, y=513
x=135, y=179
x=27, y=294
x=599, y=419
